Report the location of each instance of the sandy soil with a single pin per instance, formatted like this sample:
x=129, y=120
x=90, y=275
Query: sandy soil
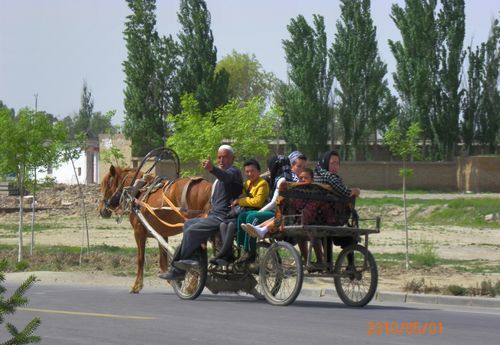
x=450, y=242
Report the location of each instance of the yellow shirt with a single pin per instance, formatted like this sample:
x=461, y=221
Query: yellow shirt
x=257, y=193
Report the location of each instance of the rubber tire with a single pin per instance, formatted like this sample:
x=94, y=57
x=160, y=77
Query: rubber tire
x=257, y=291
x=271, y=269
x=343, y=280
x=200, y=277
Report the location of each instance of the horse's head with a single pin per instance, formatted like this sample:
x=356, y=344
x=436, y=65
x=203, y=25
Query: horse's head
x=112, y=189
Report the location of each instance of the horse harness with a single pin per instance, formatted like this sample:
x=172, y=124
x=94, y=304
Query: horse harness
x=183, y=211
x=115, y=200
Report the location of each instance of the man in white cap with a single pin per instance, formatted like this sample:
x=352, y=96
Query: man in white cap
x=225, y=189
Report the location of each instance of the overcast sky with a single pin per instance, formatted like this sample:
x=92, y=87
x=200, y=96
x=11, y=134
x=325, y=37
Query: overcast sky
x=49, y=47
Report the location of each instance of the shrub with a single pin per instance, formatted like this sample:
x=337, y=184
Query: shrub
x=457, y=290
x=425, y=255
x=22, y=266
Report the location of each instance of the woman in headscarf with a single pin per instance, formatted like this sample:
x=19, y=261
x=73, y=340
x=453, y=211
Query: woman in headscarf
x=327, y=172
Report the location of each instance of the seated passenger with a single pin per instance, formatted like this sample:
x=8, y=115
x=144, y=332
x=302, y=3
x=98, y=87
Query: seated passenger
x=254, y=196
x=279, y=168
x=263, y=228
x=306, y=176
x=327, y=173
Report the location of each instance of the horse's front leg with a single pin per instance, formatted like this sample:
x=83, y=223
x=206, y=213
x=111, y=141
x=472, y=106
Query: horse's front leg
x=140, y=238
x=163, y=257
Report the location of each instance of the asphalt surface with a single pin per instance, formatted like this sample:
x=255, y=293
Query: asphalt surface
x=77, y=314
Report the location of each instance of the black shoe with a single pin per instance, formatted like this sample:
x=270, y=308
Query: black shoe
x=173, y=274
x=246, y=258
x=187, y=264
x=316, y=267
x=223, y=260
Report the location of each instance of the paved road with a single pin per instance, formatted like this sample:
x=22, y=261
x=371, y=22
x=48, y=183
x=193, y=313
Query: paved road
x=86, y=315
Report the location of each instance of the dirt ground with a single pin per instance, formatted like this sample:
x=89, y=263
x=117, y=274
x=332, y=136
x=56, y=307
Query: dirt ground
x=63, y=213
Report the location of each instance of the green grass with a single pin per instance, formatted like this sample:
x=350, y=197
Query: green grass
x=410, y=191
x=114, y=259
x=389, y=201
x=460, y=211
x=397, y=260
x=425, y=255
x=39, y=227
x=466, y=212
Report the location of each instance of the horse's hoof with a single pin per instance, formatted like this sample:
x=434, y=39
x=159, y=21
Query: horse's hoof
x=135, y=289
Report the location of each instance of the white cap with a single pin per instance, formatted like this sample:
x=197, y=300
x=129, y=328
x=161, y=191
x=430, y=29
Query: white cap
x=227, y=148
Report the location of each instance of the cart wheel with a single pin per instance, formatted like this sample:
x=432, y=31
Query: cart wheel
x=257, y=291
x=281, y=274
x=355, y=276
x=194, y=282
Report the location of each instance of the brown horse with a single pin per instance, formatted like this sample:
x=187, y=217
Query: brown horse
x=190, y=195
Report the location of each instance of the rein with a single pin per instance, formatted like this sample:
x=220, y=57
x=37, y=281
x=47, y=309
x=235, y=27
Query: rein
x=115, y=200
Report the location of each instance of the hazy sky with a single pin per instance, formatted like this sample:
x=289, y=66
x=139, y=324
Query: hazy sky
x=48, y=47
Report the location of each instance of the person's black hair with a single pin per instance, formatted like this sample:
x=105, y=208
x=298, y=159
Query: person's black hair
x=279, y=166
x=309, y=171
x=325, y=158
x=253, y=162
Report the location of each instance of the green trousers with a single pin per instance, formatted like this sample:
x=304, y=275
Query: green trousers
x=242, y=238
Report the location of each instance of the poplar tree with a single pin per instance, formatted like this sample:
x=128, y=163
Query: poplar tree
x=306, y=99
x=472, y=97
x=489, y=115
x=417, y=62
x=82, y=122
x=199, y=57
x=149, y=70
x=366, y=104
x=445, y=120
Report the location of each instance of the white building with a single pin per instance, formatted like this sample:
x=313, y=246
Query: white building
x=86, y=166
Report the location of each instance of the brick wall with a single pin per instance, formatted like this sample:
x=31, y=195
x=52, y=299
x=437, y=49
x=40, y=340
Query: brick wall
x=385, y=175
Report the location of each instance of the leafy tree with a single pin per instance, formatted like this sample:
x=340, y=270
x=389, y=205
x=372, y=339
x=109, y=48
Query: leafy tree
x=445, y=120
x=3, y=105
x=86, y=121
x=472, y=97
x=247, y=79
x=113, y=156
x=29, y=141
x=365, y=99
x=489, y=115
x=148, y=71
x=416, y=61
x=199, y=57
x=82, y=122
x=244, y=125
x=404, y=143
x=9, y=305
x=306, y=101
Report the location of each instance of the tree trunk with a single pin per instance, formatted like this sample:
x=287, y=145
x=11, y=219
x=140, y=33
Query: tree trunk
x=20, y=178
x=85, y=228
x=32, y=243
x=407, y=260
